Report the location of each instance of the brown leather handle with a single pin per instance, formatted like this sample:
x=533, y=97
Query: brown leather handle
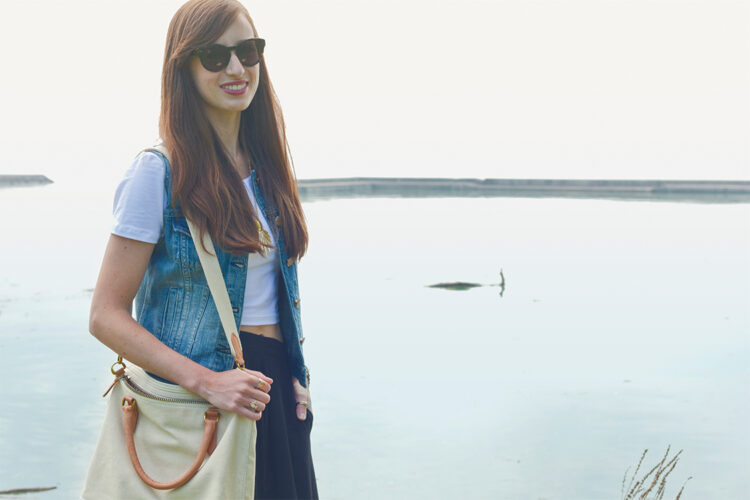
x=208, y=444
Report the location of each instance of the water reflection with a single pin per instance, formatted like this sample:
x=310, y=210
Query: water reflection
x=465, y=285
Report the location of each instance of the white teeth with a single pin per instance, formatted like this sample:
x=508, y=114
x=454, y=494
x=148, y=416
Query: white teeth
x=234, y=87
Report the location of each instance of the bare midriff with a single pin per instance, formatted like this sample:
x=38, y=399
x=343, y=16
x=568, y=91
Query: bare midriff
x=272, y=331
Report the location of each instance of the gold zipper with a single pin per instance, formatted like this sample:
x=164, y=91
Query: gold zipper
x=136, y=388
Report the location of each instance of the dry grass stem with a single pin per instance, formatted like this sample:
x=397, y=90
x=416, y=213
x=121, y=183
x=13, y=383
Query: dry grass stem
x=683, y=487
x=652, y=485
x=637, y=468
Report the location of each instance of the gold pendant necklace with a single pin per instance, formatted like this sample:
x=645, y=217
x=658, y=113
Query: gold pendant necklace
x=264, y=237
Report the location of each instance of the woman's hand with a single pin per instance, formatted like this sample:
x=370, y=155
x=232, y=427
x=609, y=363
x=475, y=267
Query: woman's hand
x=302, y=395
x=244, y=392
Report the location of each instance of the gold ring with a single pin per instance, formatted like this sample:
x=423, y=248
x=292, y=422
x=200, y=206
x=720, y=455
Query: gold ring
x=304, y=403
x=253, y=406
x=261, y=384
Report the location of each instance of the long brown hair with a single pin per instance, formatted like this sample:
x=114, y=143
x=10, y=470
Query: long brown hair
x=204, y=182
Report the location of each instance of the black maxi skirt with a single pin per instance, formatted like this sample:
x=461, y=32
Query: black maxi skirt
x=284, y=467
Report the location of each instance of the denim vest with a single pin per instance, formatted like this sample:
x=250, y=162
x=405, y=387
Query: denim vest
x=174, y=301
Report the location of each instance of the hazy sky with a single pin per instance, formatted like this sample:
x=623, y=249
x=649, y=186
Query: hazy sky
x=521, y=89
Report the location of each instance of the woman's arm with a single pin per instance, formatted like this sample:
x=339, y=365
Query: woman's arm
x=110, y=321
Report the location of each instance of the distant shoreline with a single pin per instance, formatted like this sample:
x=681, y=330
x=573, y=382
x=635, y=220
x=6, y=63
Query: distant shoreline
x=666, y=190
x=23, y=180
x=416, y=187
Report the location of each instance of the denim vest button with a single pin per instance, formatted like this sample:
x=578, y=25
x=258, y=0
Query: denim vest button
x=289, y=261
x=302, y=340
x=239, y=264
x=296, y=302
x=235, y=309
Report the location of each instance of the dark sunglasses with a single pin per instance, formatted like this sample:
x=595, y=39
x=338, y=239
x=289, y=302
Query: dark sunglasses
x=215, y=57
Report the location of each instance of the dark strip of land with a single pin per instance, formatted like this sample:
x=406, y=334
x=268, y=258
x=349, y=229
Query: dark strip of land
x=416, y=187
x=22, y=491
x=656, y=190
x=23, y=180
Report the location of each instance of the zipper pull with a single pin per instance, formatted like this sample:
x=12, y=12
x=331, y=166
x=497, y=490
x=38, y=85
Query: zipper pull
x=118, y=375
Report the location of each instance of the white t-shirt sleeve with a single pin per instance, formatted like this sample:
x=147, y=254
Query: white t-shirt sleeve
x=139, y=203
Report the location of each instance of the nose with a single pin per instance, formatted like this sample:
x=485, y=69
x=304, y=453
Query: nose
x=234, y=67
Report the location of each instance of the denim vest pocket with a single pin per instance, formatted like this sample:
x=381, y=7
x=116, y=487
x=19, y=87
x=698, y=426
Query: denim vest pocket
x=171, y=327
x=223, y=348
x=179, y=238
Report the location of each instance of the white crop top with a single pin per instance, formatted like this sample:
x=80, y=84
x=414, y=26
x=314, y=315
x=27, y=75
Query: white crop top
x=138, y=212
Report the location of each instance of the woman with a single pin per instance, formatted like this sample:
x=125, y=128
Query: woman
x=229, y=172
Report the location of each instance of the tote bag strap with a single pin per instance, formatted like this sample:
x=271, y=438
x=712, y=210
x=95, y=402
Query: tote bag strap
x=216, y=283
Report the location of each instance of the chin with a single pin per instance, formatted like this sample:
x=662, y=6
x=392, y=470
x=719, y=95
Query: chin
x=241, y=103
x=237, y=106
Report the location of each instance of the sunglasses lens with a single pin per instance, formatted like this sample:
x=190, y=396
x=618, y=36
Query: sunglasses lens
x=249, y=52
x=214, y=57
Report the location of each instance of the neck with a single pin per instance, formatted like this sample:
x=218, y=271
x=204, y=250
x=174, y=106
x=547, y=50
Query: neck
x=227, y=128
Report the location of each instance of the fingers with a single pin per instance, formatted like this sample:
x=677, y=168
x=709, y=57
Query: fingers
x=259, y=375
x=259, y=381
x=302, y=395
x=256, y=406
x=256, y=395
x=248, y=408
x=256, y=386
x=260, y=386
x=302, y=409
x=248, y=413
x=245, y=393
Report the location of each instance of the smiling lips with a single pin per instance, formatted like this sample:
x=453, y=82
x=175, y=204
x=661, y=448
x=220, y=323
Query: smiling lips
x=234, y=88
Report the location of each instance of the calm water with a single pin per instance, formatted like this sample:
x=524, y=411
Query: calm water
x=623, y=326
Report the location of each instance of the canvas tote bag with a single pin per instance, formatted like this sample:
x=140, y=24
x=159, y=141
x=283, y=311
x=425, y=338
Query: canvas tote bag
x=161, y=441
